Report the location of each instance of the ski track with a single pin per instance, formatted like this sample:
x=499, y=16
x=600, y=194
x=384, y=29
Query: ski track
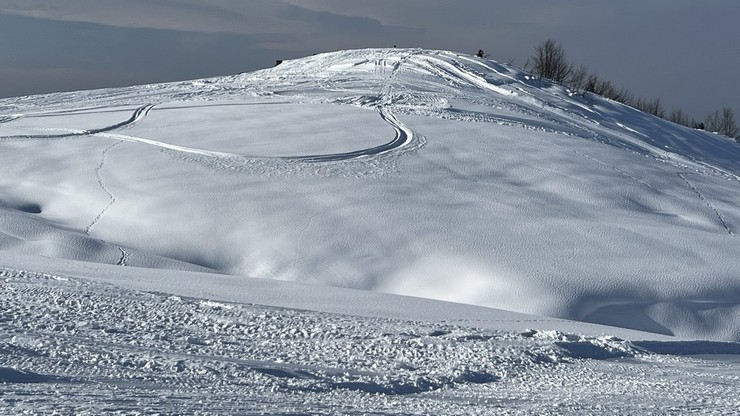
x=404, y=136
x=612, y=167
x=8, y=118
x=68, y=345
x=455, y=72
x=73, y=346
x=711, y=206
x=101, y=183
x=123, y=261
x=139, y=114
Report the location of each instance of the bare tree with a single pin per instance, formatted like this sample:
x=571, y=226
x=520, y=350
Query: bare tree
x=654, y=107
x=577, y=79
x=678, y=116
x=618, y=94
x=606, y=89
x=722, y=123
x=591, y=83
x=727, y=124
x=711, y=122
x=549, y=61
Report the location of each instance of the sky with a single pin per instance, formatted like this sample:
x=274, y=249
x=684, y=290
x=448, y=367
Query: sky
x=684, y=51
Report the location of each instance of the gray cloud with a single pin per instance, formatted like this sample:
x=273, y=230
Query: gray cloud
x=182, y=15
x=682, y=50
x=44, y=56
x=216, y=16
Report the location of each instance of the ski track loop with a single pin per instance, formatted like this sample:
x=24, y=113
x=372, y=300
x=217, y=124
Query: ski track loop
x=404, y=137
x=711, y=206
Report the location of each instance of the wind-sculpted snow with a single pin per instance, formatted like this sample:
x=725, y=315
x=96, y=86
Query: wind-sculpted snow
x=409, y=171
x=74, y=346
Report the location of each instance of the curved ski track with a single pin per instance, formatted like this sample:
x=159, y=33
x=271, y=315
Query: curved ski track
x=137, y=116
x=123, y=260
x=403, y=137
x=98, y=174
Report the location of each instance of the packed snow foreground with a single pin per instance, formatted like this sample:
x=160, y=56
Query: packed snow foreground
x=198, y=246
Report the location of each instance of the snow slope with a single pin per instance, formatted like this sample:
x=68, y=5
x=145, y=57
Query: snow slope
x=71, y=345
x=197, y=247
x=414, y=172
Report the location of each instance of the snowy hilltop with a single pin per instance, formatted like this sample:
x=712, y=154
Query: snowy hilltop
x=330, y=183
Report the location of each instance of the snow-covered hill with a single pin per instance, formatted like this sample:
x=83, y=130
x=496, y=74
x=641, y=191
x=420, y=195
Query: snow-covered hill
x=405, y=171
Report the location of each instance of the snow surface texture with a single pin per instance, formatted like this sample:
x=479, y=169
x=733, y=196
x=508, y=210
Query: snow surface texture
x=74, y=346
x=414, y=172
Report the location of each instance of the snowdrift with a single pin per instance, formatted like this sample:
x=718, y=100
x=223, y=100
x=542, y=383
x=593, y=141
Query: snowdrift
x=414, y=172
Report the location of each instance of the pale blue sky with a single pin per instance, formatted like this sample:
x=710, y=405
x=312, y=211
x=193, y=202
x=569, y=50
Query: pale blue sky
x=685, y=51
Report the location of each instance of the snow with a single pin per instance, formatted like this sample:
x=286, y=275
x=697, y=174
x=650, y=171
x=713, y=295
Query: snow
x=237, y=245
x=85, y=346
